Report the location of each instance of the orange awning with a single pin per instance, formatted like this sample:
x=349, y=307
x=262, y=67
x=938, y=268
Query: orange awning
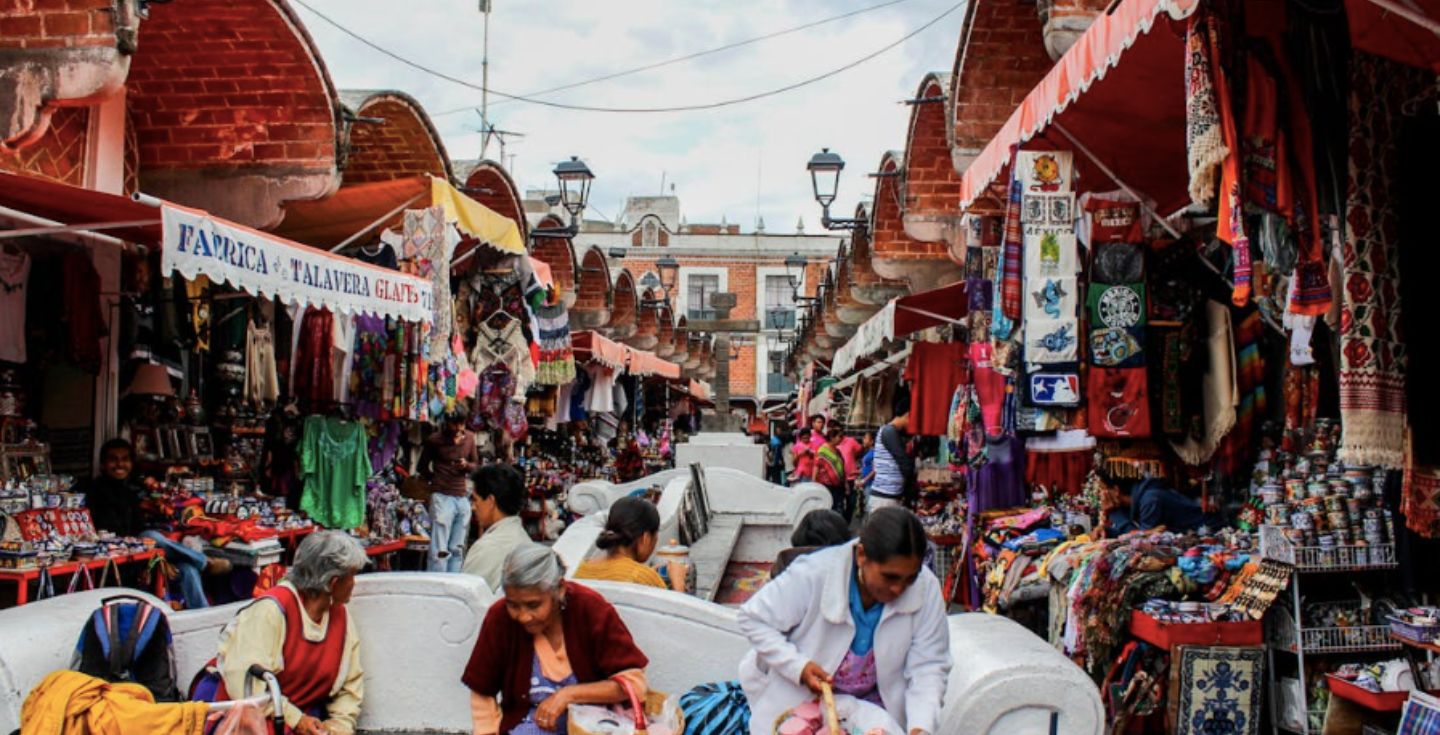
x=1125, y=74
x=591, y=346
x=111, y=214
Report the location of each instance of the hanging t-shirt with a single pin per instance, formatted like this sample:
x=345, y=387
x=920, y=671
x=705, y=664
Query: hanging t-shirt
x=14, y=277
x=384, y=256
x=934, y=369
x=1119, y=403
x=335, y=465
x=601, y=397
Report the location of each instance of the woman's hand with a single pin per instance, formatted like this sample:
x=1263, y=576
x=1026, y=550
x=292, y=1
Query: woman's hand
x=310, y=726
x=548, y=714
x=812, y=677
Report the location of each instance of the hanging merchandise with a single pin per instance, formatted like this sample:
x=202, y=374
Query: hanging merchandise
x=934, y=370
x=1119, y=403
x=1051, y=286
x=14, y=277
x=1220, y=395
x=1110, y=217
x=314, y=369
x=1372, y=353
x=557, y=359
x=368, y=376
x=335, y=464
x=84, y=323
x=429, y=244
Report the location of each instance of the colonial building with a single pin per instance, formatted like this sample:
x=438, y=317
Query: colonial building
x=708, y=259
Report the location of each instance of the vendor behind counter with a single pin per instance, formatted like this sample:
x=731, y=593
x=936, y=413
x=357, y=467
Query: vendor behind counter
x=1141, y=505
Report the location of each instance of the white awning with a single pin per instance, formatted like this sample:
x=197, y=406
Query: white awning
x=196, y=243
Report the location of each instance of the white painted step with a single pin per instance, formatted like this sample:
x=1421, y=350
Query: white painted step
x=711, y=554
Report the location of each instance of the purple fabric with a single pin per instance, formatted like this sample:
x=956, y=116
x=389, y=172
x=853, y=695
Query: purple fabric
x=857, y=677
x=1000, y=482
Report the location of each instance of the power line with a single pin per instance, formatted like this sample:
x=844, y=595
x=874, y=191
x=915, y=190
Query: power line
x=696, y=55
x=678, y=108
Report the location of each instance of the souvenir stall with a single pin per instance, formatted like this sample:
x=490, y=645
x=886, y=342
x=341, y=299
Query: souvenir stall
x=1187, y=314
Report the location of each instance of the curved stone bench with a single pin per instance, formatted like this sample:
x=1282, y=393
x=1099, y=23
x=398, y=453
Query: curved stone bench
x=417, y=631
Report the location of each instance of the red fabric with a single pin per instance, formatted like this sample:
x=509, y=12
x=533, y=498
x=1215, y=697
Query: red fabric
x=1385, y=33
x=84, y=324
x=1230, y=225
x=597, y=643
x=1119, y=403
x=1059, y=471
x=934, y=370
x=310, y=668
x=314, y=376
x=989, y=386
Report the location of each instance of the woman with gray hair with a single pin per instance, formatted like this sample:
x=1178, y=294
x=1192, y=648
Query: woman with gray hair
x=301, y=631
x=547, y=645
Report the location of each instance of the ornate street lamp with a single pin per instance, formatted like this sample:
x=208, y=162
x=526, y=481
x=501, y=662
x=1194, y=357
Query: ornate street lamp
x=669, y=274
x=574, y=177
x=825, y=168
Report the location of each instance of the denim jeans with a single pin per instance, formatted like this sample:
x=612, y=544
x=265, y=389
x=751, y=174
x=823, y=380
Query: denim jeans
x=450, y=523
x=190, y=563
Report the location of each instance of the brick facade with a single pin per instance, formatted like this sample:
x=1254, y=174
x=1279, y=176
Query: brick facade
x=593, y=294
x=894, y=253
x=1003, y=59
x=34, y=24
x=404, y=145
x=930, y=183
x=624, y=307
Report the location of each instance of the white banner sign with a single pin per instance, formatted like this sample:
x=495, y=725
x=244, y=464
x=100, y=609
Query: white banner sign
x=265, y=265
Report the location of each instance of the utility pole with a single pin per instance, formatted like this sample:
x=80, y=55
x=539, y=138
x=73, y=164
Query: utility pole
x=485, y=79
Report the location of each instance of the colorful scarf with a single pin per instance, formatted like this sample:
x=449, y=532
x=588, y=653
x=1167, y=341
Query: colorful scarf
x=1238, y=453
x=1311, y=295
x=1012, y=261
x=1204, y=141
x=1230, y=226
x=1372, y=353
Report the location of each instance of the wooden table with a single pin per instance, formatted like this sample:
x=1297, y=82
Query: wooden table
x=23, y=577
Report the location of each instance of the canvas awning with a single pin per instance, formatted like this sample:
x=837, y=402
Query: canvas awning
x=592, y=346
x=1102, y=102
x=1407, y=31
x=78, y=210
x=193, y=242
x=332, y=220
x=903, y=315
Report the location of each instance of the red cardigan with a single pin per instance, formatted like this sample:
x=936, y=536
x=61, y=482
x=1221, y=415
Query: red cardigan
x=597, y=643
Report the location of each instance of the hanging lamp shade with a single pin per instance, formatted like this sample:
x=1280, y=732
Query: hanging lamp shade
x=151, y=380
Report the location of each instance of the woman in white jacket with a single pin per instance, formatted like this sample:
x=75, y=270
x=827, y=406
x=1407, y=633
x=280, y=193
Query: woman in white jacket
x=865, y=617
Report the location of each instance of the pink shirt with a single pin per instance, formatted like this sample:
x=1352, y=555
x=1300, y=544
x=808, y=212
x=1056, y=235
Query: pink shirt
x=850, y=450
x=804, y=461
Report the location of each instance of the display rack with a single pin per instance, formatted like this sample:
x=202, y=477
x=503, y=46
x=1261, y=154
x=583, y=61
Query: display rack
x=1290, y=637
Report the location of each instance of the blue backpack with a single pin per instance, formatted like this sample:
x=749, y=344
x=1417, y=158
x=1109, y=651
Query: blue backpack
x=716, y=709
x=128, y=640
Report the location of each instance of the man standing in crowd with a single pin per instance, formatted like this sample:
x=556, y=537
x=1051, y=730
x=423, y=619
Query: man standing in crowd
x=446, y=461
x=894, y=467
x=499, y=496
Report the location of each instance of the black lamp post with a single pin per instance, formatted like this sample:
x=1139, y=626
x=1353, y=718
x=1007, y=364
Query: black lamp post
x=669, y=269
x=825, y=168
x=574, y=178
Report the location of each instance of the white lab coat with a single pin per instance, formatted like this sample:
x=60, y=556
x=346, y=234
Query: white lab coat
x=804, y=615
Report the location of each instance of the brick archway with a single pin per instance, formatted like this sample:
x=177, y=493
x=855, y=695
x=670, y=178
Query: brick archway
x=559, y=254
x=894, y=253
x=234, y=110
x=930, y=185
x=404, y=143
x=594, y=291
x=624, y=307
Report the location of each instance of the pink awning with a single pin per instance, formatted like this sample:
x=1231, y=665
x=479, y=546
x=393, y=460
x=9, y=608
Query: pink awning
x=1129, y=114
x=591, y=346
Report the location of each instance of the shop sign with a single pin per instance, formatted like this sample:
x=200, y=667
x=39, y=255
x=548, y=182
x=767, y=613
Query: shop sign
x=197, y=244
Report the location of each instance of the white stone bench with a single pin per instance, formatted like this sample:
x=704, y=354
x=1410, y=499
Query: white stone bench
x=417, y=631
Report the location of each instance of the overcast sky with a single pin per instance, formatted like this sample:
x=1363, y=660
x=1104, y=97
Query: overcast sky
x=720, y=161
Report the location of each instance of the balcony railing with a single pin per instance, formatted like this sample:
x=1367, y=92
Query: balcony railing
x=776, y=383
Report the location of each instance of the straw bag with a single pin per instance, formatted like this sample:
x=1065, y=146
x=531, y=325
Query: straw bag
x=657, y=707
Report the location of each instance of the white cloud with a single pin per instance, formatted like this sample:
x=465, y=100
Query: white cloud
x=713, y=157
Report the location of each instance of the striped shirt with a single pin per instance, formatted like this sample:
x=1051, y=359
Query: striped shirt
x=889, y=473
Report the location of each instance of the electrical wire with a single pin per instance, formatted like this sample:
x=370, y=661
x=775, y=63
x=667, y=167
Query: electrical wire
x=632, y=110
x=691, y=57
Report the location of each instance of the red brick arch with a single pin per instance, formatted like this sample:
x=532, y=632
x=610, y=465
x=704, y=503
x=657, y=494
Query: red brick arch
x=930, y=184
x=1000, y=57
x=680, y=344
x=624, y=307
x=665, y=334
x=490, y=184
x=594, y=293
x=234, y=109
x=894, y=253
x=559, y=254
x=404, y=144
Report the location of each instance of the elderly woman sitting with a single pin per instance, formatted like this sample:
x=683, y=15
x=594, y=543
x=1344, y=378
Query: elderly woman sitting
x=547, y=645
x=300, y=631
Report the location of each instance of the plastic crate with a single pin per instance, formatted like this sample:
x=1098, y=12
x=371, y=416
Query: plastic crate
x=1169, y=635
x=1378, y=701
x=1352, y=639
x=1412, y=632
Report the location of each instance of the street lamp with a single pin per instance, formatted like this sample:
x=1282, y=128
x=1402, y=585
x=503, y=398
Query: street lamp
x=669, y=274
x=574, y=177
x=795, y=273
x=825, y=168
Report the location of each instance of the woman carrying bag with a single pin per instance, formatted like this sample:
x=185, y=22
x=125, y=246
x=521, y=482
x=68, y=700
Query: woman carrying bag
x=546, y=645
x=865, y=618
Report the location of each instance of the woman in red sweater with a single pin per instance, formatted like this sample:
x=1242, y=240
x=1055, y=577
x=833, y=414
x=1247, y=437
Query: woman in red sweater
x=547, y=645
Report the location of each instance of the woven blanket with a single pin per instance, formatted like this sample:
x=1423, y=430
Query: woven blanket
x=1372, y=348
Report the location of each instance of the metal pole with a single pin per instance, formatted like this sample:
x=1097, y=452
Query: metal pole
x=485, y=82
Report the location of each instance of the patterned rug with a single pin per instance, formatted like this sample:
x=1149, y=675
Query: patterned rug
x=1217, y=690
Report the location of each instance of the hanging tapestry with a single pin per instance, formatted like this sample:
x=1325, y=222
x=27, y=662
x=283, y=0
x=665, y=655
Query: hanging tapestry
x=1217, y=689
x=1372, y=349
x=1007, y=279
x=557, y=361
x=428, y=246
x=1220, y=396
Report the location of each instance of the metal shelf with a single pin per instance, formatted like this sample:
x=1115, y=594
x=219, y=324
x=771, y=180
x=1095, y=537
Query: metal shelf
x=1350, y=558
x=1354, y=639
